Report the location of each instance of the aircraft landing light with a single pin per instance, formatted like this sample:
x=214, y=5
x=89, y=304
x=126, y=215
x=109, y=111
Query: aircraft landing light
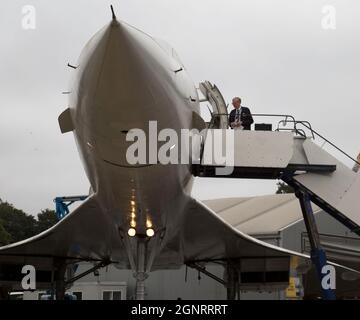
x=150, y=232
x=132, y=232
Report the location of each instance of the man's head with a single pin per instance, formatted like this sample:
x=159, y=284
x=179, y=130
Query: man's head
x=236, y=102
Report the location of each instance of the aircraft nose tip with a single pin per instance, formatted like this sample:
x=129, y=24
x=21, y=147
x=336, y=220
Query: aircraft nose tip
x=113, y=12
x=120, y=67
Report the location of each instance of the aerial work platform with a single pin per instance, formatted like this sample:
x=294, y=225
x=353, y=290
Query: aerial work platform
x=295, y=159
x=287, y=154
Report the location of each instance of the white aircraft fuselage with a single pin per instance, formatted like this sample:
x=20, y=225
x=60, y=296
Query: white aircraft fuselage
x=124, y=79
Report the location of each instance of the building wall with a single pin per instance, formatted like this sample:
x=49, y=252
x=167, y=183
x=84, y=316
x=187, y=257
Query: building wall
x=291, y=236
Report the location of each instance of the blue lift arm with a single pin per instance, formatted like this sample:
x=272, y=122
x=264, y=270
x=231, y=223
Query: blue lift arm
x=318, y=255
x=62, y=204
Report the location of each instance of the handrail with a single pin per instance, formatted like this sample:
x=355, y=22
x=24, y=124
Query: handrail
x=307, y=125
x=285, y=121
x=274, y=115
x=329, y=142
x=301, y=132
x=303, y=122
x=333, y=236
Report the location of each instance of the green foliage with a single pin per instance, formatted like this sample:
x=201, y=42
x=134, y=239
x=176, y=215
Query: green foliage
x=45, y=220
x=16, y=225
x=284, y=188
x=16, y=222
x=5, y=236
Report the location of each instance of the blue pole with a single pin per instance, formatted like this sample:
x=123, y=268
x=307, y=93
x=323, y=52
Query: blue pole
x=318, y=255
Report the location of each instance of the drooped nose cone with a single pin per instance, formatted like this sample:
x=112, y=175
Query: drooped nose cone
x=129, y=63
x=121, y=87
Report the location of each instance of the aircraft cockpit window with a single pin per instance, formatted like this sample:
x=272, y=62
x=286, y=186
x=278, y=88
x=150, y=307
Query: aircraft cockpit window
x=176, y=57
x=169, y=51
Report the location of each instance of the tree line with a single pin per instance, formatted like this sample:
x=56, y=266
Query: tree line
x=16, y=225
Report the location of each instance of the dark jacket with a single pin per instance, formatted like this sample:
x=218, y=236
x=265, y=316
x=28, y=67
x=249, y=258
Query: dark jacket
x=245, y=117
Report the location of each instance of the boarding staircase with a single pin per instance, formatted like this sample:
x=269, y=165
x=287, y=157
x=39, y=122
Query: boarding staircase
x=289, y=153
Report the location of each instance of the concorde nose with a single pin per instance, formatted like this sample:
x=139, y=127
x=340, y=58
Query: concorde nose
x=121, y=88
x=128, y=83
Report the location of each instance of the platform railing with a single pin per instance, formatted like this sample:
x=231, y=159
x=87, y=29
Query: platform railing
x=314, y=134
x=305, y=243
x=295, y=128
x=289, y=119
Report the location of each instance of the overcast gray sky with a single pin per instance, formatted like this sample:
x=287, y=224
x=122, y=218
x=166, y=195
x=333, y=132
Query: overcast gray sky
x=274, y=54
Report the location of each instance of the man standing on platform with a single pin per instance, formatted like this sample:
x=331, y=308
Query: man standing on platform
x=240, y=117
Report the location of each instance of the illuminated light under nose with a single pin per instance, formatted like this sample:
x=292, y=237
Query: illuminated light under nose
x=148, y=224
x=133, y=223
x=150, y=232
x=132, y=232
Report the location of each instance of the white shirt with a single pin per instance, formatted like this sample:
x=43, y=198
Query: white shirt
x=238, y=116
